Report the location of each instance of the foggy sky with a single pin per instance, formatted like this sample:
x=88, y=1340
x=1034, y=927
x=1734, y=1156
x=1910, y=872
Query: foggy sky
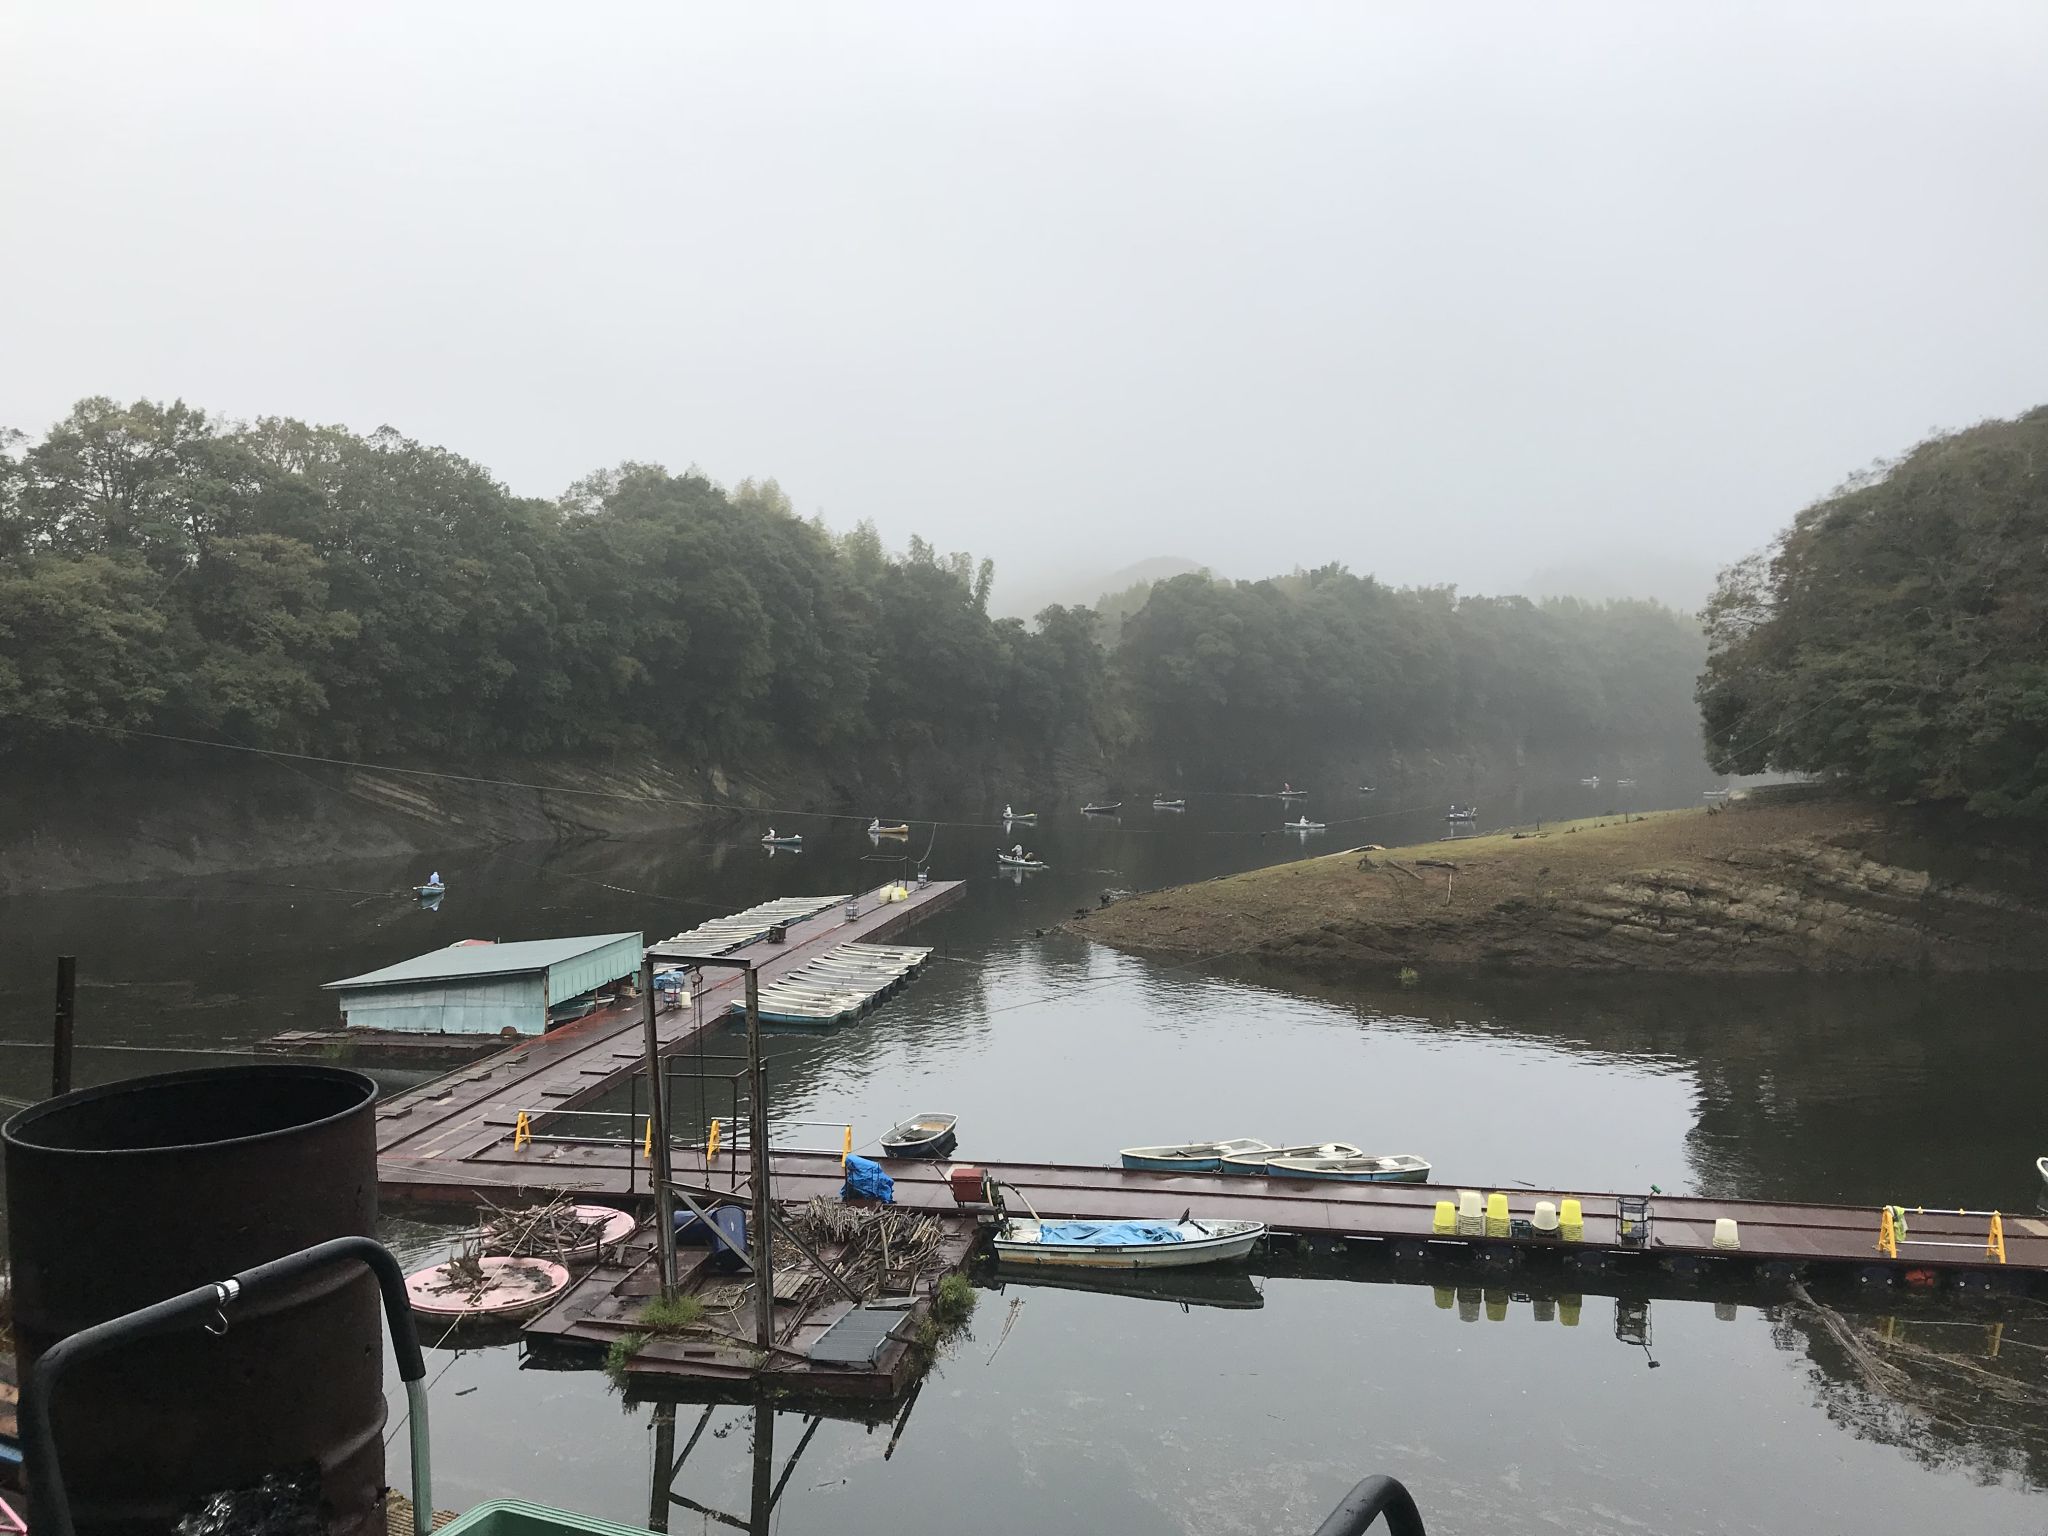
x=1448, y=292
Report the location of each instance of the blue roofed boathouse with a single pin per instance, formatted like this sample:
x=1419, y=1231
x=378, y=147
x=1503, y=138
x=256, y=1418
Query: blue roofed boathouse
x=481, y=988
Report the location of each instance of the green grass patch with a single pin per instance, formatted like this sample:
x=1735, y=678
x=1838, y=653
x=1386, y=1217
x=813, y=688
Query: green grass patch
x=619, y=1354
x=663, y=1316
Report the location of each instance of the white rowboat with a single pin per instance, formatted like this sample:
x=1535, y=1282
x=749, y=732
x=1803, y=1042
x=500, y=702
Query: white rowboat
x=1258, y=1162
x=1397, y=1168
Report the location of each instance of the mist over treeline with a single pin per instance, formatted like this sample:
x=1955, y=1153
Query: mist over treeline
x=288, y=586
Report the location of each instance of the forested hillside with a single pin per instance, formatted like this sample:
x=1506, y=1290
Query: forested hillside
x=303, y=587
x=1897, y=634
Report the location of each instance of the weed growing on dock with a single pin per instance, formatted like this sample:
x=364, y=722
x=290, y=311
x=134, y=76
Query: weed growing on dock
x=671, y=1315
x=619, y=1354
x=953, y=1302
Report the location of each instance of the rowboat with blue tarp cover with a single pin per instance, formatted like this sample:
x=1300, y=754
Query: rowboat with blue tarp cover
x=1125, y=1244
x=1188, y=1157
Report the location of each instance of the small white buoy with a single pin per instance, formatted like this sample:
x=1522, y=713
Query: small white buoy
x=1725, y=1235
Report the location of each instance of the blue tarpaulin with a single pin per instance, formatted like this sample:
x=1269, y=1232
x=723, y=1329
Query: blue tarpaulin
x=1109, y=1233
x=865, y=1180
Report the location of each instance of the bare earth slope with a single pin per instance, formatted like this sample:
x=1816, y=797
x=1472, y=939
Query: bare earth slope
x=1787, y=884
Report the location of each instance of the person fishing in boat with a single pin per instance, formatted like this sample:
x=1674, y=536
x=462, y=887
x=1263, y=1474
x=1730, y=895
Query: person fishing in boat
x=1007, y=813
x=434, y=878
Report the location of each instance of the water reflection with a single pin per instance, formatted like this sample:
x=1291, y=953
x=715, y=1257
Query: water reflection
x=671, y=1469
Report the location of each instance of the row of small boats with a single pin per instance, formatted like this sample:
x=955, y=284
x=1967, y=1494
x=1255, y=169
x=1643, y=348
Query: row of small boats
x=1319, y=1160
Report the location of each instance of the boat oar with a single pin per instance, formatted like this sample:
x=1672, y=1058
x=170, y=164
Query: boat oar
x=1187, y=1218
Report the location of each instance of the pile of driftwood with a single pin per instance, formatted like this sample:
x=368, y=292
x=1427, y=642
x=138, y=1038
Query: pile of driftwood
x=878, y=1245
x=550, y=1231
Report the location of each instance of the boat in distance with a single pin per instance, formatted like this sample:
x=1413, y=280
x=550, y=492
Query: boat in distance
x=921, y=1136
x=1462, y=813
x=1010, y=815
x=429, y=890
x=1395, y=1168
x=880, y=828
x=1106, y=809
x=1188, y=1156
x=1169, y=805
x=784, y=840
x=1011, y=861
x=1257, y=1162
x=1125, y=1244
x=1303, y=825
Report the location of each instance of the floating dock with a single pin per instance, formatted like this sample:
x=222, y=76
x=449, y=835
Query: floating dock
x=447, y=1135
x=1397, y=1219
x=837, y=986
x=825, y=1345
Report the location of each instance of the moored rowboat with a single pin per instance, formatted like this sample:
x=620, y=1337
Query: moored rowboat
x=1395, y=1168
x=1125, y=1244
x=921, y=1136
x=1260, y=1161
x=1188, y=1157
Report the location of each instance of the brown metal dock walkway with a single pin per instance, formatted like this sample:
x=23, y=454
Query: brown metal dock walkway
x=445, y=1133
x=1400, y=1215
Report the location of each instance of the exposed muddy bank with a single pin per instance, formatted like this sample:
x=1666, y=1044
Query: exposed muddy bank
x=1779, y=883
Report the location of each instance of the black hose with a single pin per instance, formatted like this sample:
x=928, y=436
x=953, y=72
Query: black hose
x=203, y=1306
x=1373, y=1497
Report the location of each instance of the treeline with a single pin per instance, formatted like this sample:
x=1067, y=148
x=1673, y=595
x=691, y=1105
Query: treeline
x=300, y=587
x=1896, y=636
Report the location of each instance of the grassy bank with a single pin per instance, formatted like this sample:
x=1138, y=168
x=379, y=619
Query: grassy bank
x=1775, y=883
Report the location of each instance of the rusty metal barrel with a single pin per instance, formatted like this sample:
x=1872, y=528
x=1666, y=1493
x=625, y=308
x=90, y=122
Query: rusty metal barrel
x=122, y=1195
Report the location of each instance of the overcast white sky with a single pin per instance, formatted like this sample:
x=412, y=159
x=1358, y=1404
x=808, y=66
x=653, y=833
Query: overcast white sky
x=1447, y=292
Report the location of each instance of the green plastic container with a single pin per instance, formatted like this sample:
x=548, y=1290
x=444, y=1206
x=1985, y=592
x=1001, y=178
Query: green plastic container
x=516, y=1517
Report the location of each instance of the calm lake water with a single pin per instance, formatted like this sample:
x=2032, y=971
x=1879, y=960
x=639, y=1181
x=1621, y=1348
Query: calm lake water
x=1245, y=1403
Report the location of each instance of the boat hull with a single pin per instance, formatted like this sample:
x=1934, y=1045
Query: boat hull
x=1194, y=1157
x=927, y=1136
x=1219, y=1249
x=1415, y=1172
x=1258, y=1162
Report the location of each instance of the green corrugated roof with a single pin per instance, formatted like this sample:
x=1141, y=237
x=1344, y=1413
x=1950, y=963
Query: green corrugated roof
x=461, y=962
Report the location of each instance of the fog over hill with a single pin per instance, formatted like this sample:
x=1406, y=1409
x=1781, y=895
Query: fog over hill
x=1031, y=596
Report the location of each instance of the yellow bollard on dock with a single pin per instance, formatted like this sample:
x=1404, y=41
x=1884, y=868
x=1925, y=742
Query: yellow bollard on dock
x=1446, y=1222
x=1496, y=1214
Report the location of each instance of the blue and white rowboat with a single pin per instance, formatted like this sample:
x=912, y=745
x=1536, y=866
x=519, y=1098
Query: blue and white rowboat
x=1260, y=1161
x=1397, y=1168
x=1189, y=1157
x=1125, y=1244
